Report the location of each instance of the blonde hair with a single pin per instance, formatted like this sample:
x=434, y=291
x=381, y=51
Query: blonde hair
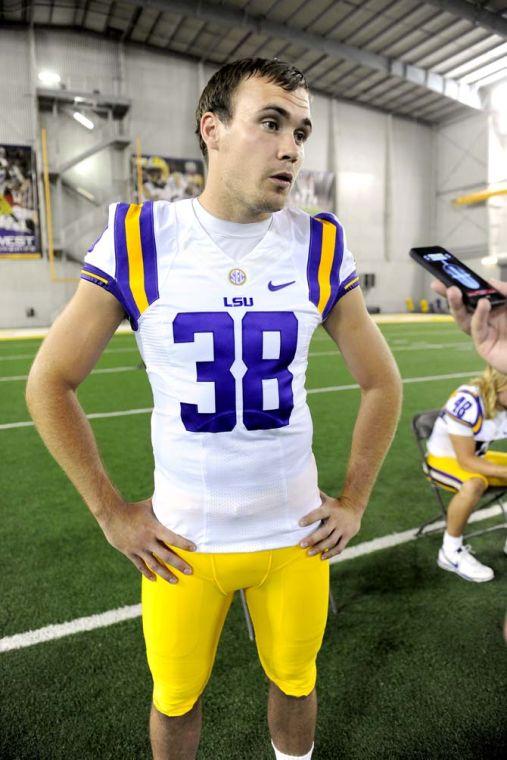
x=490, y=383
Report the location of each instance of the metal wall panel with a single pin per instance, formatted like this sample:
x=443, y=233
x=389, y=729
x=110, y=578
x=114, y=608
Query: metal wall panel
x=16, y=111
x=83, y=61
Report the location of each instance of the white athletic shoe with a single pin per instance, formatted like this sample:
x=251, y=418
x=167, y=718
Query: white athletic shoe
x=464, y=564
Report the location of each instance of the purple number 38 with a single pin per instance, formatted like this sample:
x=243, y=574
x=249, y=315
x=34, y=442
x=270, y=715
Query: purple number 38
x=253, y=326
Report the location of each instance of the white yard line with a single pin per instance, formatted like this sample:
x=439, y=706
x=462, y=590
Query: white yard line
x=103, y=619
x=464, y=345
x=93, y=416
x=102, y=371
x=414, y=347
x=424, y=378
x=328, y=389
x=14, y=357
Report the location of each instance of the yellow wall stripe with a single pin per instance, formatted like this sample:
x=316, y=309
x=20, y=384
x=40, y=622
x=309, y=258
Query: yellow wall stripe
x=94, y=276
x=135, y=256
x=326, y=261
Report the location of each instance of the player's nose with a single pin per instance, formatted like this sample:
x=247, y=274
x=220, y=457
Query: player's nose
x=288, y=149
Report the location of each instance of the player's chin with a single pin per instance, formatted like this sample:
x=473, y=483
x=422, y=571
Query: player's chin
x=275, y=201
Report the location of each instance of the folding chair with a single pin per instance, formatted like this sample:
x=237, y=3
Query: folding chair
x=422, y=425
x=251, y=632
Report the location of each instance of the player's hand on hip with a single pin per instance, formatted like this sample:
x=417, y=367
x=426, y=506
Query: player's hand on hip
x=340, y=521
x=133, y=529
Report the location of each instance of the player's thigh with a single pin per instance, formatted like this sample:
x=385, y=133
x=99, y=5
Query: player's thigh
x=498, y=458
x=182, y=623
x=289, y=613
x=448, y=472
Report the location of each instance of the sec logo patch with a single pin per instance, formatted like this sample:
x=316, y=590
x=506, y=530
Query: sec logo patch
x=237, y=276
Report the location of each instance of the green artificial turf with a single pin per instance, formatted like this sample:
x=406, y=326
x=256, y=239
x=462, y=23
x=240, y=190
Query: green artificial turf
x=410, y=667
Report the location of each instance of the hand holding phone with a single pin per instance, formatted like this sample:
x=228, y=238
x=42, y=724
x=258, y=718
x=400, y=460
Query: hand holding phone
x=451, y=271
x=486, y=325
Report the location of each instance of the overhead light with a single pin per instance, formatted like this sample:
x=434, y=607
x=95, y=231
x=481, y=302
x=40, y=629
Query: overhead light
x=83, y=120
x=49, y=78
x=79, y=99
x=489, y=261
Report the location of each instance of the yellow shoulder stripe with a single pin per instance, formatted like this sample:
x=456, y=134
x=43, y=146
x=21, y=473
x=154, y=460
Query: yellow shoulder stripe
x=135, y=256
x=326, y=261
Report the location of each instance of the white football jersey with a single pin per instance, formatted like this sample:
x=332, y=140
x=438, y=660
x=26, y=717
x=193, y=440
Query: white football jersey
x=225, y=344
x=464, y=415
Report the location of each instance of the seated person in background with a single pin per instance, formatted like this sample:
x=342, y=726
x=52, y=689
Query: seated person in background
x=459, y=459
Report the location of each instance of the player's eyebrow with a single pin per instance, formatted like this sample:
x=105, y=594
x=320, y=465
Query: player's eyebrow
x=306, y=122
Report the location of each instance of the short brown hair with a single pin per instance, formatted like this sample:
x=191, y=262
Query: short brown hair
x=217, y=95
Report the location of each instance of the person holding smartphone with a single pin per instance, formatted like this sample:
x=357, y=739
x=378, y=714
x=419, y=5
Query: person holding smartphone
x=458, y=458
x=486, y=326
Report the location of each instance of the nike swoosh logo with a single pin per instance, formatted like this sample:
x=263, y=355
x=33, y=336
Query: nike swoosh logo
x=278, y=287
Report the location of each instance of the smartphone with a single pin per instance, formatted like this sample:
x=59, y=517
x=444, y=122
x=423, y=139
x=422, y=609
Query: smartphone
x=451, y=271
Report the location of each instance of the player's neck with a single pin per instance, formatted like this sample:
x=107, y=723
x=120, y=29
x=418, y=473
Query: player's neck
x=219, y=202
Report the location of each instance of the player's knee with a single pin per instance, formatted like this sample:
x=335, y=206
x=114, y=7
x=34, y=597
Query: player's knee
x=475, y=487
x=287, y=690
x=174, y=704
x=295, y=683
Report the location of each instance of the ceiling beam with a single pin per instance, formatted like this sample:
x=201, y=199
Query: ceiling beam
x=472, y=12
x=227, y=16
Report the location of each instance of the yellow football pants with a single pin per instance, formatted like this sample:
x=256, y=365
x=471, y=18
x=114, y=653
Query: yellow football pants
x=287, y=593
x=447, y=471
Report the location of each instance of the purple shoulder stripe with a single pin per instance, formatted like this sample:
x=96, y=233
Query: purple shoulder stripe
x=93, y=274
x=349, y=283
x=334, y=278
x=149, y=251
x=122, y=262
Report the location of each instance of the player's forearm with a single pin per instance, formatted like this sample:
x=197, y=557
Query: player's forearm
x=482, y=466
x=67, y=434
x=372, y=436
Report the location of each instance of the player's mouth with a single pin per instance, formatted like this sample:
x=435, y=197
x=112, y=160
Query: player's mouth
x=282, y=179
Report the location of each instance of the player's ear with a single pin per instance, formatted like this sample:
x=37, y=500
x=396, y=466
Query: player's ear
x=210, y=130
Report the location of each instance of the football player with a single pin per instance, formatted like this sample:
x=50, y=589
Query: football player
x=458, y=458
x=224, y=293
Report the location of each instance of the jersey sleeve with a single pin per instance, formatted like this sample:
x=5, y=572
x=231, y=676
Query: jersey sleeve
x=123, y=260
x=331, y=268
x=463, y=413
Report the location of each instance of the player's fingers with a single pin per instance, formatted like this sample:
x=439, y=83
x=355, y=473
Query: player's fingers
x=318, y=514
x=168, y=537
x=329, y=542
x=342, y=543
x=141, y=566
x=158, y=567
x=319, y=535
x=171, y=558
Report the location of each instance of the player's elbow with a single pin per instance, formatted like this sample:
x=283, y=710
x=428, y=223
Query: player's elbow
x=387, y=380
x=43, y=384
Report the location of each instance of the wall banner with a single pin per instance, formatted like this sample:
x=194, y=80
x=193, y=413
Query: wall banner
x=168, y=179
x=19, y=217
